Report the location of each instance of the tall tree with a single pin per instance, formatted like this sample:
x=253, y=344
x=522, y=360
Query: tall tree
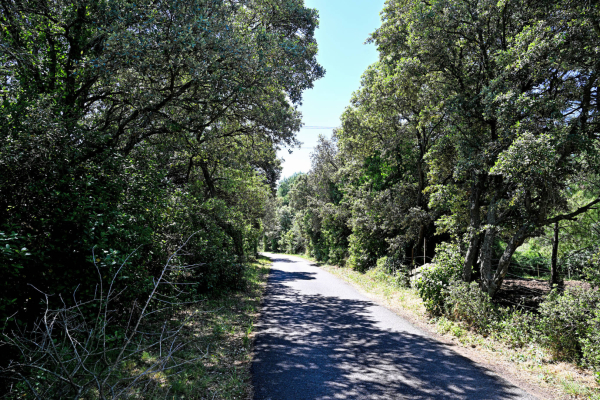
x=518, y=85
x=118, y=120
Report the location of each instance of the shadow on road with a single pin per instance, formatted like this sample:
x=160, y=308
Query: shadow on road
x=282, y=260
x=291, y=276
x=320, y=347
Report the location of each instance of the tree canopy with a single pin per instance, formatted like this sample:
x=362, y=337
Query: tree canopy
x=477, y=126
x=133, y=125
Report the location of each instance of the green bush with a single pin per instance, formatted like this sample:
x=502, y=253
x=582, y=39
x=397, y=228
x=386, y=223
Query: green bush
x=392, y=266
x=516, y=327
x=431, y=285
x=592, y=271
x=590, y=344
x=362, y=251
x=468, y=303
x=292, y=241
x=566, y=323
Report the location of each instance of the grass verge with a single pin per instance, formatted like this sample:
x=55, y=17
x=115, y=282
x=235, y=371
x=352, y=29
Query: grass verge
x=532, y=362
x=218, y=333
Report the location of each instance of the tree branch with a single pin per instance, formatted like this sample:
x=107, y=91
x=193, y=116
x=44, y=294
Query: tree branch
x=571, y=216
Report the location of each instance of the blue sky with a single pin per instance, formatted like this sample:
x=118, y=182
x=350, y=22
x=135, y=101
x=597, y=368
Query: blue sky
x=344, y=25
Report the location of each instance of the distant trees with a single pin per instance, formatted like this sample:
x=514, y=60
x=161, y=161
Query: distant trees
x=478, y=125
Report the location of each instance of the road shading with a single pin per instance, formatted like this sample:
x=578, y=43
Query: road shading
x=318, y=338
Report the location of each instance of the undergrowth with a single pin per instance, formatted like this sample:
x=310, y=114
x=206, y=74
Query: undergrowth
x=197, y=350
x=512, y=334
x=221, y=330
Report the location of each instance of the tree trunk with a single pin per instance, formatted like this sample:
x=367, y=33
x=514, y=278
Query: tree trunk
x=210, y=184
x=475, y=237
x=554, y=267
x=486, y=252
x=237, y=238
x=418, y=245
x=504, y=263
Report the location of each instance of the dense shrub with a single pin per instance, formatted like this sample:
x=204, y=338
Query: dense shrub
x=468, y=303
x=517, y=327
x=293, y=241
x=592, y=271
x=363, y=253
x=435, y=279
x=566, y=323
x=90, y=350
x=590, y=344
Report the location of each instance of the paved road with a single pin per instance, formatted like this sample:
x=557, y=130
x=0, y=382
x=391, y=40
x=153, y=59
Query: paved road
x=318, y=338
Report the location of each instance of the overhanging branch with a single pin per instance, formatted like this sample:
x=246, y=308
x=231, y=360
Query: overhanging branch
x=571, y=216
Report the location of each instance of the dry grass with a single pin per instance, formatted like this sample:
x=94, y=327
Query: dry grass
x=219, y=331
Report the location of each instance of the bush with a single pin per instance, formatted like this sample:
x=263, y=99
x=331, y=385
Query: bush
x=566, y=323
x=392, y=266
x=363, y=254
x=516, y=327
x=590, y=344
x=292, y=241
x=431, y=285
x=88, y=349
x=468, y=303
x=592, y=271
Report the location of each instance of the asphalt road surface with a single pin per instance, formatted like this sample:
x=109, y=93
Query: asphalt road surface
x=319, y=338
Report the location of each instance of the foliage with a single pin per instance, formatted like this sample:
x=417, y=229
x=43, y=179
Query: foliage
x=592, y=269
x=436, y=277
x=311, y=218
x=516, y=326
x=466, y=302
x=284, y=187
x=131, y=126
x=393, y=267
x=80, y=350
x=566, y=320
x=590, y=342
x=513, y=172
x=480, y=122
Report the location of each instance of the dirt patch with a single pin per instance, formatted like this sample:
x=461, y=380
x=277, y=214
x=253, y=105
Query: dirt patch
x=529, y=293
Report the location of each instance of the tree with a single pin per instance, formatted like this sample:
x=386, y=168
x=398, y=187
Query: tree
x=389, y=127
x=127, y=125
x=517, y=82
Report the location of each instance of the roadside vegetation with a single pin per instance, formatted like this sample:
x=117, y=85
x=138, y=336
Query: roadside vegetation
x=468, y=160
x=197, y=350
x=138, y=158
x=218, y=332
x=498, y=339
x=138, y=178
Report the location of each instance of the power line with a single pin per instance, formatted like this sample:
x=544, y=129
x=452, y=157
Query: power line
x=319, y=127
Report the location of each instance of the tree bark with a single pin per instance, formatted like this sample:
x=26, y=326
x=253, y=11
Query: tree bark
x=210, y=184
x=418, y=245
x=504, y=262
x=486, y=252
x=475, y=237
x=554, y=266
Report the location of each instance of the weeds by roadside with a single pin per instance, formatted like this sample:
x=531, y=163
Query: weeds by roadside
x=566, y=379
x=178, y=350
x=221, y=329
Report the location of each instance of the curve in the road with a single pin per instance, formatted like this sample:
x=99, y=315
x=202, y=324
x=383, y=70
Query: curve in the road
x=318, y=338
